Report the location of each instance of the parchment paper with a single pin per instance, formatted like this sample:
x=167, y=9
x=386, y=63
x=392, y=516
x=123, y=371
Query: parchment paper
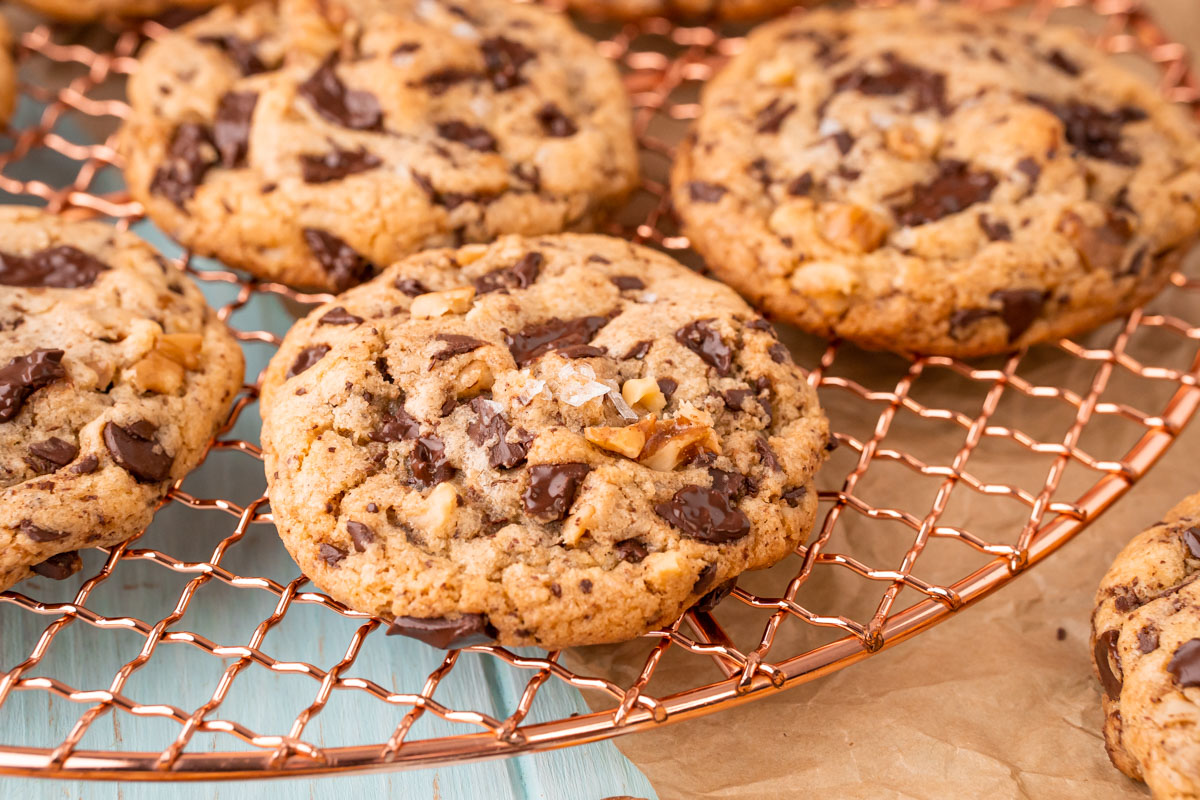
x=997, y=702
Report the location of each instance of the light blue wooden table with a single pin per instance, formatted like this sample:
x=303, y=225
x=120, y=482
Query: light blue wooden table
x=86, y=657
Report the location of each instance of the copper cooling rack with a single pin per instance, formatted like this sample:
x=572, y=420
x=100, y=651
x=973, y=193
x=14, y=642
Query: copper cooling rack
x=997, y=463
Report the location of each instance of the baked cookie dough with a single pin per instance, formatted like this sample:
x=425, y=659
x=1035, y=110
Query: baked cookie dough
x=114, y=375
x=547, y=441
x=941, y=181
x=1146, y=653
x=318, y=141
x=87, y=10
x=680, y=9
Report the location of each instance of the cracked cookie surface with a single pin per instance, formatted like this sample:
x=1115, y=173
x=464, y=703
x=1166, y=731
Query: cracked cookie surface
x=321, y=141
x=114, y=375
x=546, y=441
x=1146, y=653
x=942, y=182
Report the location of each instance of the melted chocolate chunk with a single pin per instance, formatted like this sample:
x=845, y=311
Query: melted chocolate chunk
x=702, y=192
x=240, y=52
x=134, y=449
x=446, y=634
x=766, y=455
x=552, y=489
x=638, y=351
x=705, y=515
x=411, y=286
x=1185, y=664
x=190, y=155
x=730, y=485
x=771, y=116
x=86, y=466
x=1058, y=59
x=397, y=425
x=456, y=345
x=996, y=230
x=554, y=334
x=61, y=267
x=59, y=567
x=928, y=89
x=520, y=275
x=802, y=186
x=37, y=534
x=1191, y=540
x=329, y=97
x=667, y=386
x=628, y=283
x=954, y=188
x=306, y=358
x=631, y=550
x=503, y=59
x=1148, y=639
x=490, y=425
x=339, y=316
x=333, y=556
x=472, y=136
x=555, y=123
x=24, y=375
x=704, y=340
x=714, y=597
x=231, y=127
x=1093, y=131
x=340, y=261
x=336, y=164
x=1019, y=308
x=581, y=351
x=1106, y=656
x=360, y=534
x=735, y=399
x=429, y=465
x=52, y=453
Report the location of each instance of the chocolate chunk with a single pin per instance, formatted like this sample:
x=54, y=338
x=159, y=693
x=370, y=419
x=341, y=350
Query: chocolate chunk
x=555, y=123
x=338, y=315
x=928, y=89
x=344, y=266
x=802, y=186
x=667, y=386
x=429, y=465
x=1093, y=131
x=329, y=97
x=24, y=375
x=630, y=550
x=731, y=485
x=963, y=318
x=447, y=634
x=456, y=345
x=61, y=267
x=954, y=188
x=1059, y=60
x=503, y=59
x=1185, y=664
x=361, y=534
x=770, y=117
x=702, y=192
x=472, y=136
x=240, y=51
x=135, y=451
x=306, y=358
x=795, y=495
x=490, y=424
x=556, y=590
x=520, y=275
x=704, y=514
x=333, y=556
x=581, y=351
x=397, y=425
x=628, y=283
x=1106, y=657
x=1030, y=169
x=336, y=164
x=766, y=455
x=778, y=353
x=844, y=143
x=441, y=81
x=39, y=534
x=713, y=598
x=996, y=230
x=1148, y=639
x=231, y=127
x=1019, y=308
x=86, y=466
x=704, y=340
x=190, y=155
x=51, y=454
x=540, y=338
x=735, y=398
x=585, y=586
x=638, y=351
x=552, y=489
x=1191, y=539
x=59, y=567
x=411, y=286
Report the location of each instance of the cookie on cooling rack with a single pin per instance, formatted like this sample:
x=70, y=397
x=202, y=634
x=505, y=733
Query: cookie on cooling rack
x=942, y=181
x=315, y=143
x=680, y=9
x=547, y=441
x=1146, y=652
x=114, y=375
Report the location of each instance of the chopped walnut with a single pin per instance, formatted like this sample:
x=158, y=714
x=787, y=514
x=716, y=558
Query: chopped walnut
x=659, y=444
x=468, y=254
x=474, y=378
x=628, y=441
x=577, y=525
x=644, y=393
x=851, y=227
x=156, y=373
x=437, y=518
x=913, y=141
x=182, y=348
x=438, y=304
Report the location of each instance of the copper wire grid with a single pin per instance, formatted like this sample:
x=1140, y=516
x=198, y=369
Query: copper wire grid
x=664, y=65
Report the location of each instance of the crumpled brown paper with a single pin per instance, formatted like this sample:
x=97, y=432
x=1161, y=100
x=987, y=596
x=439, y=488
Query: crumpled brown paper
x=997, y=702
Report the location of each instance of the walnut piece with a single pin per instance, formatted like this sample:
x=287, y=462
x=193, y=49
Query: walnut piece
x=438, y=304
x=658, y=444
x=156, y=373
x=851, y=227
x=182, y=348
x=643, y=393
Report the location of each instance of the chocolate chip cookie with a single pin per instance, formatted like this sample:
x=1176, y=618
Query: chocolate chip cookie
x=940, y=181
x=87, y=10
x=546, y=441
x=318, y=141
x=1146, y=653
x=680, y=9
x=114, y=375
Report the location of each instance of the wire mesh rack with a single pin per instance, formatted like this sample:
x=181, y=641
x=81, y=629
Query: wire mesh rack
x=953, y=478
